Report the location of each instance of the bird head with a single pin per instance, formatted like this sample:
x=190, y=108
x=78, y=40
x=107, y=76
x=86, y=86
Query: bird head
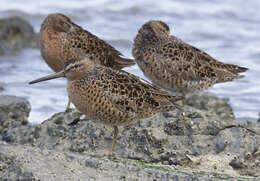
x=155, y=28
x=74, y=68
x=58, y=23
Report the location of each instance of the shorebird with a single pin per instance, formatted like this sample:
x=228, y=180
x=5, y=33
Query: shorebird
x=175, y=65
x=61, y=40
x=109, y=96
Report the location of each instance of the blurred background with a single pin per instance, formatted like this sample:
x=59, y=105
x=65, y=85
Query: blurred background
x=226, y=29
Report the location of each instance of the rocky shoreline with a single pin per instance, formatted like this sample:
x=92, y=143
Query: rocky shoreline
x=201, y=142
x=16, y=34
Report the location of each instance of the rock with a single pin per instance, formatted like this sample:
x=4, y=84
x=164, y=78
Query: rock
x=32, y=163
x=11, y=168
x=2, y=49
x=206, y=101
x=208, y=139
x=1, y=87
x=13, y=111
x=16, y=33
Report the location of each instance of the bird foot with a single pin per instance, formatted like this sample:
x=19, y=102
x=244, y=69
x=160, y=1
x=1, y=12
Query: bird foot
x=68, y=110
x=111, y=155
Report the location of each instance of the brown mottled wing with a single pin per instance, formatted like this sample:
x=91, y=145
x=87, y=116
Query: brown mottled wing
x=192, y=64
x=206, y=58
x=82, y=42
x=130, y=93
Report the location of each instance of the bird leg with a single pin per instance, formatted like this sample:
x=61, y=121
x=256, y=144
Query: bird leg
x=111, y=152
x=68, y=106
x=184, y=101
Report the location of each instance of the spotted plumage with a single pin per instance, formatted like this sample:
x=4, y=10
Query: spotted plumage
x=112, y=97
x=175, y=65
x=61, y=40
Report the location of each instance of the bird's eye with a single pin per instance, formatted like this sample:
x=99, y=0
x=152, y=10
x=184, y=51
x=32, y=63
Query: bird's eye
x=63, y=23
x=163, y=30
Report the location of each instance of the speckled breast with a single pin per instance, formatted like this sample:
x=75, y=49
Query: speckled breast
x=91, y=101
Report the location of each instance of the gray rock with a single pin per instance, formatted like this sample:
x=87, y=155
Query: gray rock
x=16, y=33
x=2, y=49
x=1, y=87
x=32, y=163
x=206, y=101
x=13, y=111
x=205, y=137
x=12, y=169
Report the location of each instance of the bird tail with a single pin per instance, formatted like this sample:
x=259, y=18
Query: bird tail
x=124, y=62
x=168, y=102
x=236, y=69
x=241, y=69
x=174, y=99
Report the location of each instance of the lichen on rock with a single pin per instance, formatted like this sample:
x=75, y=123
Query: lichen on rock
x=13, y=111
x=203, y=138
x=15, y=34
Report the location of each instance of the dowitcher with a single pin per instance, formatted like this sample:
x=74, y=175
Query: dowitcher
x=61, y=40
x=109, y=96
x=175, y=65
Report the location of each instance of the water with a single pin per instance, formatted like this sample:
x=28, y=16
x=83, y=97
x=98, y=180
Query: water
x=226, y=29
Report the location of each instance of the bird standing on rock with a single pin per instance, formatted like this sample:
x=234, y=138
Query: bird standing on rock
x=61, y=40
x=175, y=65
x=109, y=96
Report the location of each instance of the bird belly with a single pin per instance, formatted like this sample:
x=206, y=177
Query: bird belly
x=96, y=106
x=50, y=52
x=171, y=83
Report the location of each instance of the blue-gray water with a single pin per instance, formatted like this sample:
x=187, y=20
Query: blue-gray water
x=226, y=29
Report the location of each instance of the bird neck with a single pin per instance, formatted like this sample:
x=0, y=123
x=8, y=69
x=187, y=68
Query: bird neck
x=147, y=40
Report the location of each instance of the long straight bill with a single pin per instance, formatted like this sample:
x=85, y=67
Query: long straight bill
x=49, y=77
